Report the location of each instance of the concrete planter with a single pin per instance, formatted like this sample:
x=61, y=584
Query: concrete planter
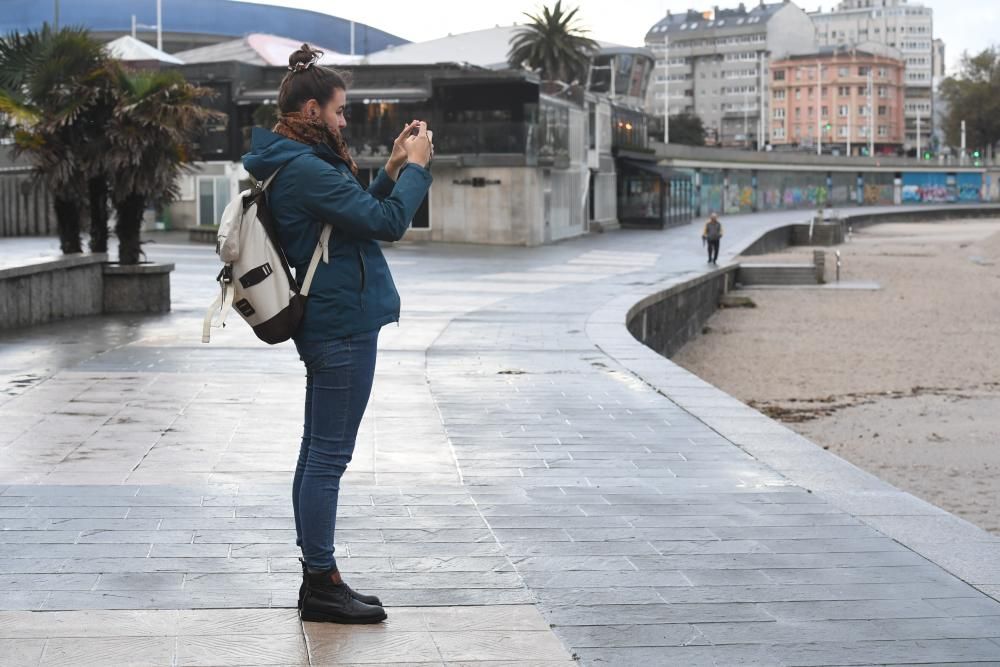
x=50, y=288
x=138, y=288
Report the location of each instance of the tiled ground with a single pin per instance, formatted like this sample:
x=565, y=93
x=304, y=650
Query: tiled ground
x=510, y=476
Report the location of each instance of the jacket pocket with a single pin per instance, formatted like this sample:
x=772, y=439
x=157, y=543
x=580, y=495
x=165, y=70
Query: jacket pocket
x=364, y=276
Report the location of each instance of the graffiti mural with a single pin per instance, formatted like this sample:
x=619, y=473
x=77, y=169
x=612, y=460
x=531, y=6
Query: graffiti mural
x=941, y=187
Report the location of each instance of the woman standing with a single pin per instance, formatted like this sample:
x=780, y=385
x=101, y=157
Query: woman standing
x=351, y=298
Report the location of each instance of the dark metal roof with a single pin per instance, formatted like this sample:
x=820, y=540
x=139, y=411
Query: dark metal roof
x=694, y=21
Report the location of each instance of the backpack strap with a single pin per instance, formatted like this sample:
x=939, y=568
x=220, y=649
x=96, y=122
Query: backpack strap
x=322, y=252
x=221, y=306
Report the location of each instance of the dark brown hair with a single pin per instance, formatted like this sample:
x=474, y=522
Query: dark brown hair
x=307, y=80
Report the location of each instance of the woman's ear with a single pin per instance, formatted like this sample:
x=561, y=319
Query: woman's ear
x=311, y=109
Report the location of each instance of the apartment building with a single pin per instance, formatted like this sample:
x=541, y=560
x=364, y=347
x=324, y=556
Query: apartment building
x=896, y=24
x=714, y=64
x=842, y=100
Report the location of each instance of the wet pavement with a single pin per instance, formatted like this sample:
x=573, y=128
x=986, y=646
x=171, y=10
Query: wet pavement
x=529, y=485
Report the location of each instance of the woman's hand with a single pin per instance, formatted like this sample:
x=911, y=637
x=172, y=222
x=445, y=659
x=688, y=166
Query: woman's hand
x=419, y=148
x=398, y=156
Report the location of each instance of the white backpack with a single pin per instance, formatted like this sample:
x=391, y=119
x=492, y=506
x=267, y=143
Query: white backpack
x=256, y=278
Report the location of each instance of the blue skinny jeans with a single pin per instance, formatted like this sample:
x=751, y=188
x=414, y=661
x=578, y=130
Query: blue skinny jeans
x=339, y=375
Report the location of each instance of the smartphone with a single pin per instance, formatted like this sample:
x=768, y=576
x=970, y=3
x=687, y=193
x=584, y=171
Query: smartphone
x=415, y=130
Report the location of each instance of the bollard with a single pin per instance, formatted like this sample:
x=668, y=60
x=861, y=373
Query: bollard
x=838, y=266
x=819, y=260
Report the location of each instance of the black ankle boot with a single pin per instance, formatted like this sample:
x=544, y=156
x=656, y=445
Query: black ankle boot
x=367, y=599
x=329, y=602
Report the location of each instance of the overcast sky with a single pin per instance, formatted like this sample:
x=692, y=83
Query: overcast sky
x=963, y=24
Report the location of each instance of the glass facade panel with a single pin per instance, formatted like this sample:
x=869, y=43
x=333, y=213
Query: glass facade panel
x=879, y=188
x=740, y=195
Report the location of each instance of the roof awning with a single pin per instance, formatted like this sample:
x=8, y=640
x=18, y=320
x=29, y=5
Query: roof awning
x=365, y=95
x=649, y=167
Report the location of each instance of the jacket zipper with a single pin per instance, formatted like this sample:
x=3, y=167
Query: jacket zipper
x=364, y=273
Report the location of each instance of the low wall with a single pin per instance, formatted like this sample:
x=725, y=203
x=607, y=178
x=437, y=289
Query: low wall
x=81, y=285
x=666, y=321
x=928, y=215
x=52, y=289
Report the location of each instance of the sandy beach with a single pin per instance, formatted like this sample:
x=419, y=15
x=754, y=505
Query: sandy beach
x=903, y=381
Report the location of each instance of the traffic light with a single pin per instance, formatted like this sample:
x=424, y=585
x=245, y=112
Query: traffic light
x=976, y=154
x=927, y=155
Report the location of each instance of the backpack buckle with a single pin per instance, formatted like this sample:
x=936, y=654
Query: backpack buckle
x=225, y=275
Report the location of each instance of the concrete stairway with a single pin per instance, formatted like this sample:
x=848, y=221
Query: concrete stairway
x=777, y=274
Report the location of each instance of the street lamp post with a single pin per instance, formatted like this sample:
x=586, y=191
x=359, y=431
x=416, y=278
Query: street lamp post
x=666, y=90
x=918, y=134
x=159, y=24
x=871, y=117
x=56, y=21
x=819, y=121
x=962, y=156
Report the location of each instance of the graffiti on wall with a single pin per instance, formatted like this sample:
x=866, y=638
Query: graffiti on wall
x=795, y=197
x=878, y=194
x=928, y=193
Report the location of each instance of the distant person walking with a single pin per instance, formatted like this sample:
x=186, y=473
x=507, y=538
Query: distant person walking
x=711, y=236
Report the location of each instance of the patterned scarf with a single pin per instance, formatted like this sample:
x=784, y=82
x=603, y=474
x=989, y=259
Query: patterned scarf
x=298, y=127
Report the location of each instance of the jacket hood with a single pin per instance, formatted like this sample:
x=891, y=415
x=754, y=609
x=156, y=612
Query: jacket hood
x=268, y=151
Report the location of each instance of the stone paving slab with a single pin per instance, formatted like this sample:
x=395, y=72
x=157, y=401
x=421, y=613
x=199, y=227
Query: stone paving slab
x=529, y=484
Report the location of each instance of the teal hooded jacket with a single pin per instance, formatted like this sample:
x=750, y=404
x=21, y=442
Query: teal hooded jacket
x=354, y=292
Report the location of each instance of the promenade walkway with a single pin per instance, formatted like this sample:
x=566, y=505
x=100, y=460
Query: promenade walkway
x=530, y=486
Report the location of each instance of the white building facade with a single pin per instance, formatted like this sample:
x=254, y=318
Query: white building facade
x=899, y=25
x=715, y=64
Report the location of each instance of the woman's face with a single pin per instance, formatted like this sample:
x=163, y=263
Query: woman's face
x=332, y=113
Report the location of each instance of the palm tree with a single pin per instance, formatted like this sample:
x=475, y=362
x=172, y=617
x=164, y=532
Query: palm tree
x=554, y=43
x=151, y=135
x=56, y=94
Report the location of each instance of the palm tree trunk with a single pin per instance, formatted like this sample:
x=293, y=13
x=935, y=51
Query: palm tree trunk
x=97, y=189
x=129, y=212
x=68, y=223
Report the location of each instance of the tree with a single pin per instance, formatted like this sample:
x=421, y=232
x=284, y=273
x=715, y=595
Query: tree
x=155, y=123
x=56, y=94
x=554, y=44
x=687, y=129
x=974, y=96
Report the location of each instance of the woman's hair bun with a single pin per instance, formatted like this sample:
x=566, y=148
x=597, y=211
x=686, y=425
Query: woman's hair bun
x=304, y=58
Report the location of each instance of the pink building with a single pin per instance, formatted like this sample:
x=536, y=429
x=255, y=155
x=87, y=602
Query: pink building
x=845, y=95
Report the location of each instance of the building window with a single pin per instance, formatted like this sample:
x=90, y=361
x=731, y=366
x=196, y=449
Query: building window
x=841, y=131
x=779, y=94
x=862, y=110
x=213, y=197
x=844, y=91
x=883, y=110
x=824, y=111
x=842, y=111
x=779, y=113
x=863, y=71
x=862, y=90
x=779, y=75
x=883, y=131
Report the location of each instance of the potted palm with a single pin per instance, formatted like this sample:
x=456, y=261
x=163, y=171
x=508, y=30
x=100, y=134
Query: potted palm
x=56, y=94
x=150, y=137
